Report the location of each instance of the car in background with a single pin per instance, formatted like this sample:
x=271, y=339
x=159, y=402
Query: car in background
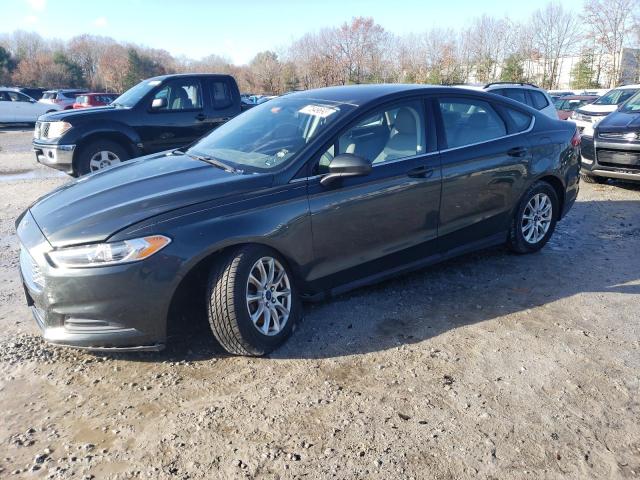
x=64, y=98
x=568, y=104
x=613, y=149
x=303, y=197
x=526, y=93
x=33, y=92
x=587, y=116
x=87, y=100
x=556, y=94
x=160, y=113
x=16, y=107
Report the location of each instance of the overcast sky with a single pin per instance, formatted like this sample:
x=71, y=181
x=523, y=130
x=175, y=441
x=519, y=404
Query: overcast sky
x=239, y=29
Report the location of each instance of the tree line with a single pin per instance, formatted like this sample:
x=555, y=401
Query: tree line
x=359, y=51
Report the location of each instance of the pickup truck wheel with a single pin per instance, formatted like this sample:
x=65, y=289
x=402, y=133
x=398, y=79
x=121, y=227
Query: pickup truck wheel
x=535, y=220
x=100, y=154
x=252, y=301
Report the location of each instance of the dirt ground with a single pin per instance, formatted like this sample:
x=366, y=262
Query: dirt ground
x=489, y=366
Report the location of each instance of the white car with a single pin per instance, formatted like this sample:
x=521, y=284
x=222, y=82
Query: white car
x=526, y=93
x=16, y=107
x=587, y=116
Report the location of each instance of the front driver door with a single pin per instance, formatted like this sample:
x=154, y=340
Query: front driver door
x=362, y=225
x=180, y=121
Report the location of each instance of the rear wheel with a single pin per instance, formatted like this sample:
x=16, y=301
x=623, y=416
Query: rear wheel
x=592, y=178
x=100, y=154
x=535, y=220
x=252, y=301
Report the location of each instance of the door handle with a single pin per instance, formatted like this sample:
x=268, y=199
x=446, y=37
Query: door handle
x=201, y=116
x=420, y=172
x=518, y=152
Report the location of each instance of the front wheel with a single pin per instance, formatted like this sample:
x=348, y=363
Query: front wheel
x=99, y=155
x=252, y=301
x=535, y=219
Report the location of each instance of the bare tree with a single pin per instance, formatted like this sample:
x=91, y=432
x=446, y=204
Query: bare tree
x=555, y=34
x=610, y=24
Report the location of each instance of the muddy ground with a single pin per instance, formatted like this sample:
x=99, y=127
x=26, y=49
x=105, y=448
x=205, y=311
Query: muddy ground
x=489, y=366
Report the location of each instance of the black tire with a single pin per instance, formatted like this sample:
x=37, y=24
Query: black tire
x=227, y=308
x=592, y=178
x=88, y=151
x=517, y=241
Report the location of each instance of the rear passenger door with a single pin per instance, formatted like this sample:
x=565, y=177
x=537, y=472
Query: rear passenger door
x=484, y=154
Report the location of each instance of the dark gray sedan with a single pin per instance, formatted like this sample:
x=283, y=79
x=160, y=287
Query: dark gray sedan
x=302, y=197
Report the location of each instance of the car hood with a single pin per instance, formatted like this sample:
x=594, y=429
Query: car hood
x=94, y=207
x=620, y=121
x=597, y=109
x=80, y=113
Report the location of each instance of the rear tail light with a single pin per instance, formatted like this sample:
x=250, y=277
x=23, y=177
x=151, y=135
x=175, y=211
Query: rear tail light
x=576, y=139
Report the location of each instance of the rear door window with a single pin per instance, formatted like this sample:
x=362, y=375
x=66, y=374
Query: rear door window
x=468, y=121
x=517, y=94
x=220, y=94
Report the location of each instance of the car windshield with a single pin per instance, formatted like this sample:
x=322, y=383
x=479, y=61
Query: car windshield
x=616, y=97
x=49, y=95
x=269, y=134
x=136, y=93
x=82, y=99
x=632, y=105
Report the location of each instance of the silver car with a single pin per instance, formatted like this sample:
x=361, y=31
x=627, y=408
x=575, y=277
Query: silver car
x=63, y=98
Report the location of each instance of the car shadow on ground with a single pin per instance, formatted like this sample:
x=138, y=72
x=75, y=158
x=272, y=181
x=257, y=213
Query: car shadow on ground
x=474, y=288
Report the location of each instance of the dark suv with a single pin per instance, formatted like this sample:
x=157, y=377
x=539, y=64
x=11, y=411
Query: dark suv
x=160, y=113
x=301, y=197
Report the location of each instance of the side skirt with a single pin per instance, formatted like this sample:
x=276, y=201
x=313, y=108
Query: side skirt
x=491, y=241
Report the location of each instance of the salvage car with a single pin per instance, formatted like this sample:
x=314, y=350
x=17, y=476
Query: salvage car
x=613, y=150
x=160, y=113
x=300, y=198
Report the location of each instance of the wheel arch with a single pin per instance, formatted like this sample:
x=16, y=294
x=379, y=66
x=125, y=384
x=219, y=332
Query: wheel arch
x=558, y=186
x=194, y=277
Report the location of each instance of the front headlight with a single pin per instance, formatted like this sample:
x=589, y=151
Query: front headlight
x=115, y=253
x=57, y=129
x=575, y=115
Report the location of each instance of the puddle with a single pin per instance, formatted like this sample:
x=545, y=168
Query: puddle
x=30, y=175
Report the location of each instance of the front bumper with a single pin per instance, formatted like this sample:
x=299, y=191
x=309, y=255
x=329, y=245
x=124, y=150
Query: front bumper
x=120, y=307
x=59, y=157
x=609, y=159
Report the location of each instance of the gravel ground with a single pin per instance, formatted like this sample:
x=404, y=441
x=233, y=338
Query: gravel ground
x=489, y=366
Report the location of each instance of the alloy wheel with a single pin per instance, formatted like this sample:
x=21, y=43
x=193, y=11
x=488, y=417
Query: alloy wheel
x=536, y=218
x=268, y=296
x=103, y=159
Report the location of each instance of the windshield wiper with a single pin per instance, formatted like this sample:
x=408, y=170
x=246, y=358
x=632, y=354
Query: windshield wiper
x=214, y=161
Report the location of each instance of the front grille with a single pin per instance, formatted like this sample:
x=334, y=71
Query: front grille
x=31, y=272
x=619, y=135
x=619, y=159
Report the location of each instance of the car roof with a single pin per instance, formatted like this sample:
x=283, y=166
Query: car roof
x=181, y=75
x=624, y=87
x=358, y=95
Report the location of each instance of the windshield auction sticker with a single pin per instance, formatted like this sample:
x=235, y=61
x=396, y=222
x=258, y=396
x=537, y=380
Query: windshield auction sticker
x=318, y=111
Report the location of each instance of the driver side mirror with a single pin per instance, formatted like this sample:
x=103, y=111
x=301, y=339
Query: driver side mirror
x=346, y=165
x=158, y=103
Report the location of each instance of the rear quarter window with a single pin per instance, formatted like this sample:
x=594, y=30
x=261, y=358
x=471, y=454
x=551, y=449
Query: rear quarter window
x=538, y=99
x=521, y=120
